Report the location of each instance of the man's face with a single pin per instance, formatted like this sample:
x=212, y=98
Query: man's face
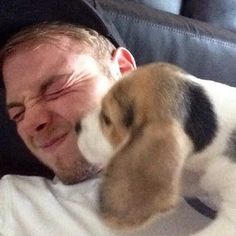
x=49, y=88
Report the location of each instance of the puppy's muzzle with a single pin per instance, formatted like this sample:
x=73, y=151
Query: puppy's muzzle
x=92, y=143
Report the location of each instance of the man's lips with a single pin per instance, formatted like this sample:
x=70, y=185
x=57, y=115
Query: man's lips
x=53, y=142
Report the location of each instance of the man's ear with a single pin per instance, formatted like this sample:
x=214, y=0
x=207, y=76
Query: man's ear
x=124, y=59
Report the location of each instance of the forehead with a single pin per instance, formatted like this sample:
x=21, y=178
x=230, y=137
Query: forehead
x=31, y=63
x=36, y=51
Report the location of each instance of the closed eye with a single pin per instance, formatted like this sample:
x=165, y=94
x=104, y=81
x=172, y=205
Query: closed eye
x=54, y=95
x=17, y=117
x=55, y=86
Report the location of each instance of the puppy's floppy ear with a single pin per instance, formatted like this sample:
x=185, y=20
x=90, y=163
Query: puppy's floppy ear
x=143, y=177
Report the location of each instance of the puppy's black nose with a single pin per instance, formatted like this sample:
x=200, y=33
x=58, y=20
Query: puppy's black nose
x=77, y=127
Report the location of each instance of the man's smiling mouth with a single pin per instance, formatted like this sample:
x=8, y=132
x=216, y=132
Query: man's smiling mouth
x=53, y=142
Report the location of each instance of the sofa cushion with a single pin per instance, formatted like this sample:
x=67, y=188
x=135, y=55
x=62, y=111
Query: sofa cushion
x=217, y=12
x=154, y=35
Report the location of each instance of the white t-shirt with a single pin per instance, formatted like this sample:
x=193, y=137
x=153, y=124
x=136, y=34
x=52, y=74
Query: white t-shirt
x=34, y=206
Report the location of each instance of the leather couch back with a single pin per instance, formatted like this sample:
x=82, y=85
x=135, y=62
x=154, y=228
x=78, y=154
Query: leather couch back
x=154, y=35
x=216, y=12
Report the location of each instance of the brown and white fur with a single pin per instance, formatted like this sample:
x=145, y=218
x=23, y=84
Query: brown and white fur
x=156, y=126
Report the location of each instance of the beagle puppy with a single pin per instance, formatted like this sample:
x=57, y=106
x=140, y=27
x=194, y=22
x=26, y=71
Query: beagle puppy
x=157, y=127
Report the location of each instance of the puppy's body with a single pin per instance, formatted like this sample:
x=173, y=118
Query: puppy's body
x=156, y=126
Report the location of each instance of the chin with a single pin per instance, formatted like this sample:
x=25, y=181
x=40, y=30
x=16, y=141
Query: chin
x=77, y=173
x=68, y=180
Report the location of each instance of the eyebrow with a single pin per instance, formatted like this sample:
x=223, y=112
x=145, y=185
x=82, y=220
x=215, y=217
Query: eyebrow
x=42, y=89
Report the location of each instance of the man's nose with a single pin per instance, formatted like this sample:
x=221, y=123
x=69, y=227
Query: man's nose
x=37, y=119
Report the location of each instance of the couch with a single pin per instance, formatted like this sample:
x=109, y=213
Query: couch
x=198, y=35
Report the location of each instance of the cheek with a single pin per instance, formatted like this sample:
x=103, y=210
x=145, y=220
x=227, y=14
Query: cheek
x=101, y=87
x=91, y=97
x=22, y=133
x=26, y=138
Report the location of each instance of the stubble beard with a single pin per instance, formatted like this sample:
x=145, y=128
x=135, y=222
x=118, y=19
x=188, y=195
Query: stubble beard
x=77, y=171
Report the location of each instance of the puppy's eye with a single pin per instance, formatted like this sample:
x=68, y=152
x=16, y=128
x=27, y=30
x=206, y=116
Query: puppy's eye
x=105, y=118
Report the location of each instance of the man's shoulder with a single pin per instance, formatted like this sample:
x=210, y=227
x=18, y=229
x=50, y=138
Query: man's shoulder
x=34, y=185
x=31, y=200
x=21, y=180
x=17, y=186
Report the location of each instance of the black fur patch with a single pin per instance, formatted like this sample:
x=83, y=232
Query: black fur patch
x=200, y=121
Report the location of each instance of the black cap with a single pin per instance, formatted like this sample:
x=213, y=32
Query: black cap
x=16, y=15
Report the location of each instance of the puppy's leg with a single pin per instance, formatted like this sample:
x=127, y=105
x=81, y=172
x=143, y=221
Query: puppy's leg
x=220, y=180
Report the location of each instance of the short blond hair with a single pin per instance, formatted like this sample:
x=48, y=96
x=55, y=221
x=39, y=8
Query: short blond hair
x=98, y=45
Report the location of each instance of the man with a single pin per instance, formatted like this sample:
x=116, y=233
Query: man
x=53, y=74
x=17, y=15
